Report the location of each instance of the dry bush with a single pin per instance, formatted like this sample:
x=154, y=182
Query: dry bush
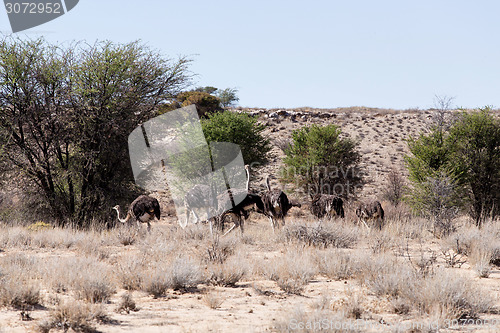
x=324, y=302
x=220, y=249
x=89, y=278
x=337, y=265
x=452, y=257
x=18, y=292
x=95, y=286
x=482, y=246
x=480, y=260
x=196, y=232
x=127, y=304
x=185, y=273
x=351, y=305
x=73, y=315
x=126, y=235
x=156, y=281
x=54, y=238
x=128, y=271
x=292, y=271
x=443, y=292
x=181, y=273
x=228, y=273
x=213, y=299
x=401, y=305
x=400, y=221
x=385, y=275
x=395, y=187
x=15, y=237
x=449, y=295
x=322, y=235
x=380, y=242
x=19, y=286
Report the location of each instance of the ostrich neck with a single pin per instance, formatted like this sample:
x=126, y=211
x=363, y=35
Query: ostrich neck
x=120, y=219
x=267, y=184
x=248, y=178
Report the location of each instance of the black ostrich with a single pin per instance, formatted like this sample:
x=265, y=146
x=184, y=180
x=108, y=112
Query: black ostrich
x=202, y=197
x=143, y=209
x=241, y=211
x=327, y=205
x=276, y=205
x=371, y=211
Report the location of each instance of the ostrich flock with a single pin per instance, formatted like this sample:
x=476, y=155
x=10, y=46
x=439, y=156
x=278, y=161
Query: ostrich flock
x=273, y=203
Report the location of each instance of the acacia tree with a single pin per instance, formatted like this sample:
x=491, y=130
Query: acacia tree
x=65, y=115
x=468, y=152
x=228, y=97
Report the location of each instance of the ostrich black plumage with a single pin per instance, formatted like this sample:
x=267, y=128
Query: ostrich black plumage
x=276, y=205
x=240, y=212
x=327, y=205
x=143, y=209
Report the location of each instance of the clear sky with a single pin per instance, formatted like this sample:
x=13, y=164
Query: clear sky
x=392, y=54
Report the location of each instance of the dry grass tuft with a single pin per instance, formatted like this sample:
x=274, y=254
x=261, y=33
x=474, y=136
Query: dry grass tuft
x=337, y=265
x=292, y=271
x=156, y=281
x=127, y=304
x=89, y=278
x=322, y=235
x=185, y=273
x=444, y=293
x=76, y=316
x=126, y=235
x=384, y=275
x=213, y=299
x=220, y=249
x=181, y=273
x=451, y=296
x=128, y=271
x=19, y=286
x=227, y=274
x=480, y=260
x=381, y=242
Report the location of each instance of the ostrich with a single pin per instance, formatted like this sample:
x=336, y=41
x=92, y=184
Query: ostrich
x=199, y=196
x=202, y=197
x=143, y=209
x=276, y=205
x=239, y=213
x=371, y=211
x=241, y=210
x=327, y=205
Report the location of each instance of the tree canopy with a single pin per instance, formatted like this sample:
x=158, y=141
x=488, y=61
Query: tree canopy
x=469, y=153
x=66, y=113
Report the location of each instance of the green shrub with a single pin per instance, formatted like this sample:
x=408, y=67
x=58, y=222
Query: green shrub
x=320, y=160
x=468, y=152
x=241, y=129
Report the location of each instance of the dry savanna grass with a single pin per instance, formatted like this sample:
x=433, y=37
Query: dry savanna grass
x=309, y=276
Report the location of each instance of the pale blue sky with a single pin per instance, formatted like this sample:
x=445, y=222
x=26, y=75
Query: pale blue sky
x=394, y=54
